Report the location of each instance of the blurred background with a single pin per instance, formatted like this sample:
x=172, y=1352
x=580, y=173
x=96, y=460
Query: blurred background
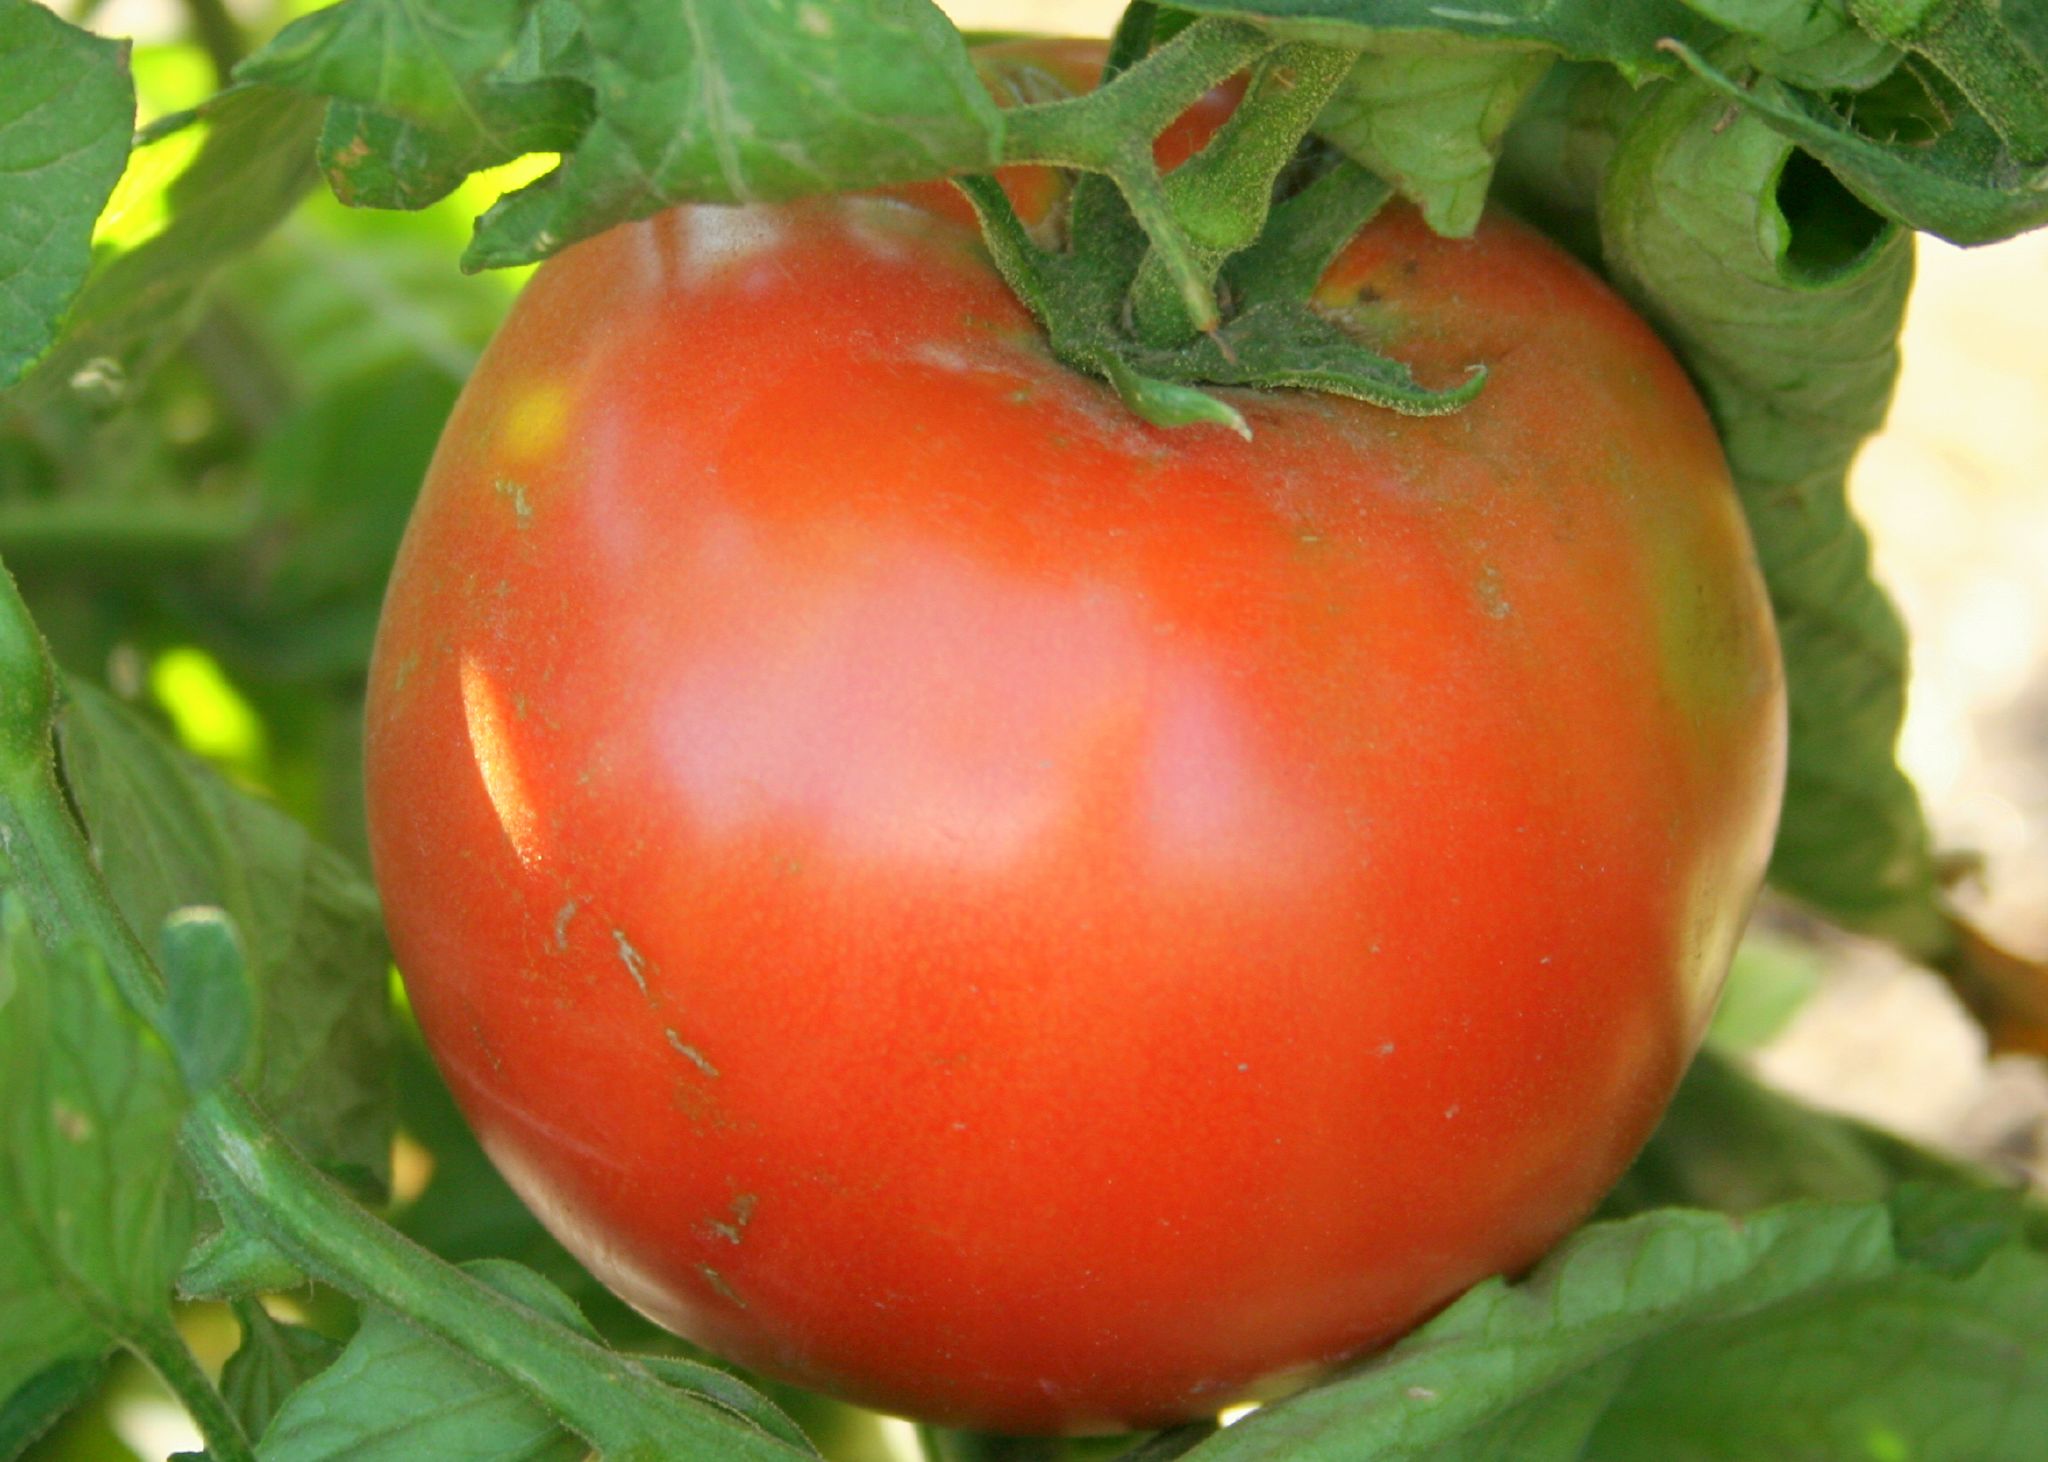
x=340, y=318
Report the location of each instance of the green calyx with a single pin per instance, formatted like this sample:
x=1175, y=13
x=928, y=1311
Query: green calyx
x=1169, y=284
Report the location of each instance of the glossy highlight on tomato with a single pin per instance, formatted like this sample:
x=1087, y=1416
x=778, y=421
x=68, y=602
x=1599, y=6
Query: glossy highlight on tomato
x=950, y=895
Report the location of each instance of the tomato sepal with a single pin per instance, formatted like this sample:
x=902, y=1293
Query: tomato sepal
x=1278, y=339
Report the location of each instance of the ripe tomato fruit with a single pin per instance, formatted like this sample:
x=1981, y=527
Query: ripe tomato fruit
x=952, y=896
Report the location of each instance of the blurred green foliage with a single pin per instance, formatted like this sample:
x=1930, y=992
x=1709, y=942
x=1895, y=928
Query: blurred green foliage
x=214, y=553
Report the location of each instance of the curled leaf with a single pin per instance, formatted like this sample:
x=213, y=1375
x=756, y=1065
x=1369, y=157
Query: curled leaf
x=1963, y=185
x=1784, y=297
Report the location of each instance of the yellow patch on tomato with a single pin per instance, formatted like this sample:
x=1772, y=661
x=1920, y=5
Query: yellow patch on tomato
x=535, y=425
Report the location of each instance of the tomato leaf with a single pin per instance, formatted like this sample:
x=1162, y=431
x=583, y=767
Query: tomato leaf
x=720, y=103
x=428, y=91
x=431, y=62
x=95, y=1212
x=1963, y=185
x=1996, y=55
x=1427, y=113
x=1816, y=44
x=403, y=308
x=1784, y=297
x=1807, y=69
x=334, y=504
x=373, y=160
x=39, y=1402
x=1625, y=36
x=42, y=1328
x=232, y=1262
x=397, y=1393
x=1682, y=1333
x=67, y=109
x=274, y=1359
x=1730, y=1143
x=137, y=306
x=1746, y=255
x=169, y=832
x=1770, y=980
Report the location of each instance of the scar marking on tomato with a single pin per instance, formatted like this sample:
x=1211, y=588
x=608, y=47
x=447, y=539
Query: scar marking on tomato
x=483, y=1043
x=717, y=1282
x=562, y=917
x=514, y=492
x=733, y=1229
x=635, y=963
x=693, y=1098
x=945, y=357
x=695, y=1056
x=1492, y=598
x=563, y=1138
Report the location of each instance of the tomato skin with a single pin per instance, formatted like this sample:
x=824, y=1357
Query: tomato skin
x=952, y=896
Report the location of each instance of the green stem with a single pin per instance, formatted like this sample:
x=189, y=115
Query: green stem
x=1192, y=283
x=258, y=1177
x=160, y=1344
x=1110, y=131
x=1305, y=233
x=263, y=1184
x=1090, y=132
x=43, y=855
x=214, y=28
x=1220, y=198
x=2006, y=992
x=117, y=535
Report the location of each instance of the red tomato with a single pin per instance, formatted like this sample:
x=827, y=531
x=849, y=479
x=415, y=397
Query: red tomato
x=950, y=895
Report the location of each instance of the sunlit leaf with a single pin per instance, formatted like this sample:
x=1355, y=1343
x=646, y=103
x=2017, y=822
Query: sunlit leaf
x=67, y=109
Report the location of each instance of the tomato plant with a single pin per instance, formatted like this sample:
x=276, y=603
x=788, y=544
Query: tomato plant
x=1069, y=731
x=952, y=895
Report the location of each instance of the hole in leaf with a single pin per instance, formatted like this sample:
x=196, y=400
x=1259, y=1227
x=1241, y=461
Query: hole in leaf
x=1831, y=228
